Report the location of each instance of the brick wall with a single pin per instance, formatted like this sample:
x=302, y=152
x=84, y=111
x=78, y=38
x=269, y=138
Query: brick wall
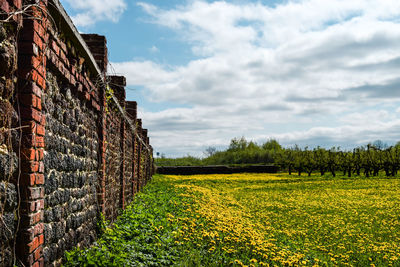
x=70, y=149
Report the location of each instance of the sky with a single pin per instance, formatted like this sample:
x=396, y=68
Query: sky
x=306, y=72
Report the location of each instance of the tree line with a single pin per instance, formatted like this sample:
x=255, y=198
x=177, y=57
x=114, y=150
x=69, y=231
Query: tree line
x=239, y=152
x=369, y=160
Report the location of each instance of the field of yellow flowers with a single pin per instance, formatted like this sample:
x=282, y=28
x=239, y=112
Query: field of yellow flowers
x=276, y=219
x=253, y=220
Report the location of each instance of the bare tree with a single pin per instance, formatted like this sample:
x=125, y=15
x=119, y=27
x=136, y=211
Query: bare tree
x=210, y=151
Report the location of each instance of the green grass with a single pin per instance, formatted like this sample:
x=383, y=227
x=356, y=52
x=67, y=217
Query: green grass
x=254, y=219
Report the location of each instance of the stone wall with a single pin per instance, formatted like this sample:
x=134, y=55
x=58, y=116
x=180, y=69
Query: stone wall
x=9, y=139
x=71, y=147
x=71, y=165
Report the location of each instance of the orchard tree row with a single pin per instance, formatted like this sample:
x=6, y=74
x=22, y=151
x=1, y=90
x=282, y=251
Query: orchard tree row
x=369, y=160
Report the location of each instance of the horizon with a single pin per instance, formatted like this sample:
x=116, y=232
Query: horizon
x=350, y=148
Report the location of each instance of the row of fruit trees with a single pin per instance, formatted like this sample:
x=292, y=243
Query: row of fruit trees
x=369, y=160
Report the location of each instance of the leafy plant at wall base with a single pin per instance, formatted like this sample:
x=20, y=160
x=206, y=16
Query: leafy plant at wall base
x=102, y=224
x=142, y=236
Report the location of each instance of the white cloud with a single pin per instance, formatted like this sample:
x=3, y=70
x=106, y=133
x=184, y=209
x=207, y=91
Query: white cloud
x=91, y=11
x=302, y=70
x=347, y=136
x=154, y=49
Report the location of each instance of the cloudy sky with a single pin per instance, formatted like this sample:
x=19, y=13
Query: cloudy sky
x=311, y=72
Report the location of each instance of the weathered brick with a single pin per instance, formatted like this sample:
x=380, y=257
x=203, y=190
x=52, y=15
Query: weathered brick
x=28, y=87
x=40, y=81
x=39, y=28
x=41, y=262
x=39, y=179
x=39, y=141
x=38, y=228
x=41, y=239
x=39, y=154
x=37, y=40
x=63, y=57
x=38, y=63
x=63, y=46
x=27, y=179
x=32, y=206
x=73, y=72
x=38, y=253
x=40, y=130
x=41, y=167
x=5, y=6
x=30, y=100
x=72, y=79
x=55, y=47
x=30, y=114
x=28, y=153
x=38, y=12
x=32, y=193
x=18, y=3
x=36, y=242
x=30, y=166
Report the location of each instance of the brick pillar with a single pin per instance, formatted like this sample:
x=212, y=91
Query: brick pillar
x=101, y=193
x=153, y=171
x=149, y=157
x=98, y=46
x=131, y=110
x=135, y=163
x=146, y=158
x=118, y=83
x=31, y=85
x=139, y=162
x=150, y=160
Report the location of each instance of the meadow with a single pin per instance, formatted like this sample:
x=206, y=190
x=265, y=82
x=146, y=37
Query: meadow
x=256, y=220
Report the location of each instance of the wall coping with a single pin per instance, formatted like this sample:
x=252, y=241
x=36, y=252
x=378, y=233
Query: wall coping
x=69, y=26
